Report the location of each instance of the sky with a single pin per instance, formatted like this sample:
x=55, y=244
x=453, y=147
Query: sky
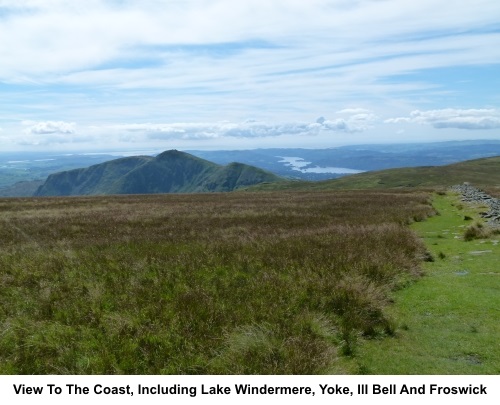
x=243, y=74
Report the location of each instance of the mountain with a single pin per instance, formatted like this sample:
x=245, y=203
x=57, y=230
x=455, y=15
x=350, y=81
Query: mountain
x=169, y=172
x=483, y=172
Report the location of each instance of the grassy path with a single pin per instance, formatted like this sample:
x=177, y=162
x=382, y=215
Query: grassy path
x=449, y=321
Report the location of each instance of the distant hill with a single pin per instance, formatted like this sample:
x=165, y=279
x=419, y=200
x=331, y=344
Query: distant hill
x=169, y=172
x=480, y=172
x=21, y=189
x=483, y=172
x=292, y=163
x=327, y=163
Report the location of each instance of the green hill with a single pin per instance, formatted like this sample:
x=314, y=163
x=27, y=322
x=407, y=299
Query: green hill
x=170, y=172
x=483, y=172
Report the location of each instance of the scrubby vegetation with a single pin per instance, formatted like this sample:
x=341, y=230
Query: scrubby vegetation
x=216, y=283
x=476, y=231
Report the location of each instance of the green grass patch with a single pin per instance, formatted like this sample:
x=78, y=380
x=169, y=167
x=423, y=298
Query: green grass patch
x=447, y=323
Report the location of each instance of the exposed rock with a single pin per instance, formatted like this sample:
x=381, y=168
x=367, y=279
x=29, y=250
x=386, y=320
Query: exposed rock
x=472, y=194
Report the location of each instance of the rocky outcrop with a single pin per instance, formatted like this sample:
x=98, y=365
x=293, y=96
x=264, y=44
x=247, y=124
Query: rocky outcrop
x=472, y=194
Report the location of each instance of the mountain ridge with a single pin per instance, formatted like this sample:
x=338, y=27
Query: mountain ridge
x=169, y=172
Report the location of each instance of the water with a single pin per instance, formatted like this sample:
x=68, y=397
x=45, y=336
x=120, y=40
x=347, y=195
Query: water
x=299, y=164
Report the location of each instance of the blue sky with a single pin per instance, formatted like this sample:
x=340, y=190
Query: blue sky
x=221, y=74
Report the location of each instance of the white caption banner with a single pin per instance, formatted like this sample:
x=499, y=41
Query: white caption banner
x=249, y=389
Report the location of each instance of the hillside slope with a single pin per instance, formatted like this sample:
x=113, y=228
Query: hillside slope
x=483, y=172
x=480, y=172
x=169, y=172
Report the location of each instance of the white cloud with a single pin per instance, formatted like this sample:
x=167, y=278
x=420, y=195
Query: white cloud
x=98, y=61
x=47, y=133
x=62, y=132
x=353, y=111
x=353, y=120
x=57, y=139
x=80, y=36
x=50, y=127
x=453, y=118
x=246, y=129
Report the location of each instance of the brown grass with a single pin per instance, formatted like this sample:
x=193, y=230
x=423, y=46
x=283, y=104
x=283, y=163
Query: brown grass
x=212, y=283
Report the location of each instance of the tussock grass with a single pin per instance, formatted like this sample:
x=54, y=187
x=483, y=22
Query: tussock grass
x=278, y=283
x=476, y=231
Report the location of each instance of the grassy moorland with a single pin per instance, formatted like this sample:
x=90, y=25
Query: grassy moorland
x=216, y=283
x=448, y=321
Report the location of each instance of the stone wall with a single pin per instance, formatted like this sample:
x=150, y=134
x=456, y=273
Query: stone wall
x=472, y=194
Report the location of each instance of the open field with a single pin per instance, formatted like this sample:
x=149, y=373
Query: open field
x=216, y=283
